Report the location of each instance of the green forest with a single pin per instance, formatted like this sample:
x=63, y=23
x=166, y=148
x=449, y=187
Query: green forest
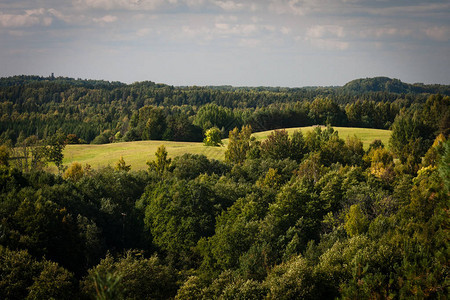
x=292, y=216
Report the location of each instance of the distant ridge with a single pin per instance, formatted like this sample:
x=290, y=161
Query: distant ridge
x=361, y=85
x=389, y=85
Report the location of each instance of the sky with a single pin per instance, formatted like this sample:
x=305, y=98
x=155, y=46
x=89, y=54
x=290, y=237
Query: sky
x=289, y=43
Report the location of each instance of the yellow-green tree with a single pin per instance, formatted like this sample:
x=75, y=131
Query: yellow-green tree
x=161, y=163
x=213, y=137
x=356, y=221
x=75, y=172
x=121, y=165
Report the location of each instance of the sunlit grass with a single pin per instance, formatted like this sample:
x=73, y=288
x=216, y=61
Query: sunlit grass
x=138, y=153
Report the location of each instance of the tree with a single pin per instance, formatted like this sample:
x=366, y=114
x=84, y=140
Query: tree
x=54, y=149
x=162, y=163
x=190, y=166
x=130, y=276
x=277, y=145
x=213, y=137
x=212, y=115
x=238, y=145
x=293, y=279
x=23, y=277
x=410, y=140
x=121, y=165
x=54, y=282
x=178, y=213
x=75, y=172
x=355, y=221
x=150, y=123
x=4, y=156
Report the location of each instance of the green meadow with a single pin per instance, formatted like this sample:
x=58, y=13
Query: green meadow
x=138, y=153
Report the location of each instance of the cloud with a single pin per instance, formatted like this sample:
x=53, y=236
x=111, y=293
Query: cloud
x=329, y=44
x=229, y=5
x=438, y=33
x=143, y=32
x=145, y=5
x=121, y=4
x=105, y=19
x=235, y=29
x=250, y=43
x=327, y=37
x=285, y=30
x=320, y=31
x=30, y=18
x=392, y=9
x=65, y=17
x=291, y=7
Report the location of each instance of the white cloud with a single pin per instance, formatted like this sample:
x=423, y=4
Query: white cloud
x=327, y=37
x=291, y=7
x=328, y=44
x=121, y=4
x=250, y=43
x=105, y=19
x=229, y=5
x=143, y=32
x=285, y=30
x=438, y=33
x=32, y=17
x=320, y=31
x=65, y=17
x=411, y=9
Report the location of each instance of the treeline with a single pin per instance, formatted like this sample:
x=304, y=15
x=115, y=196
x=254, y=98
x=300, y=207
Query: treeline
x=304, y=216
x=102, y=112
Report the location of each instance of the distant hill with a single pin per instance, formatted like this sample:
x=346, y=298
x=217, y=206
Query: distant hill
x=357, y=86
x=389, y=85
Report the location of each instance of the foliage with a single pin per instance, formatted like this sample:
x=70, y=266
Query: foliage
x=355, y=221
x=54, y=149
x=292, y=216
x=74, y=172
x=162, y=163
x=238, y=145
x=4, y=156
x=23, y=277
x=213, y=137
x=131, y=276
x=122, y=166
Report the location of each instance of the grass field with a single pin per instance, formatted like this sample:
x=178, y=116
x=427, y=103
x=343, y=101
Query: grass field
x=138, y=153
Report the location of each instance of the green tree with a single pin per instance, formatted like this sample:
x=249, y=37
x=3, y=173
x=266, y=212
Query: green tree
x=150, y=123
x=293, y=279
x=178, y=213
x=238, y=145
x=4, y=155
x=355, y=221
x=212, y=115
x=53, y=282
x=122, y=166
x=23, y=277
x=161, y=163
x=277, y=145
x=54, y=149
x=213, y=137
x=410, y=140
x=130, y=276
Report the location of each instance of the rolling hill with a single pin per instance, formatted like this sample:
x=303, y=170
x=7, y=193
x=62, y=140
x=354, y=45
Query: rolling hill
x=138, y=153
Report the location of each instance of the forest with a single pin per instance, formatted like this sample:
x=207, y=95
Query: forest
x=301, y=216
x=102, y=112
